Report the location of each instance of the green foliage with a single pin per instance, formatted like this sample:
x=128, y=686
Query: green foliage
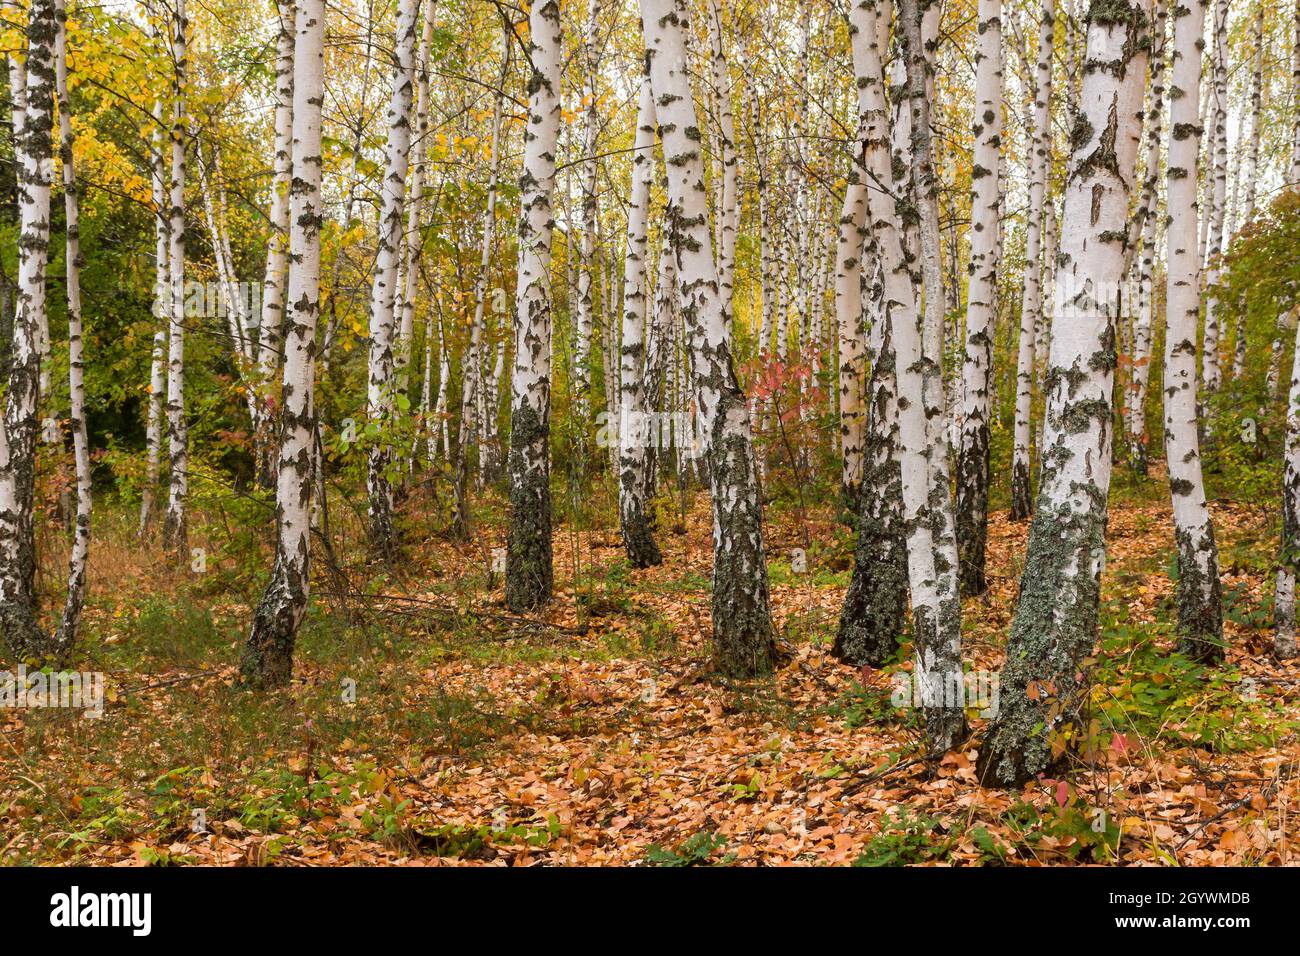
x=1141, y=689
x=700, y=849
x=905, y=839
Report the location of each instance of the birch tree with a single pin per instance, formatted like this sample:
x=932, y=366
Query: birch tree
x=161, y=296
x=936, y=606
x=267, y=658
x=529, y=573
x=77, y=561
x=1042, y=689
x=1031, y=307
x=176, y=520
x=1200, y=611
x=381, y=391
x=852, y=333
x=18, y=428
x=743, y=639
x=590, y=211
x=981, y=302
x=1135, y=403
x=635, y=429
x=1284, y=636
x=728, y=207
x=1211, y=370
x=273, y=289
x=1284, y=618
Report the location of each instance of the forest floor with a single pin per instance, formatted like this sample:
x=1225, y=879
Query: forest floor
x=426, y=725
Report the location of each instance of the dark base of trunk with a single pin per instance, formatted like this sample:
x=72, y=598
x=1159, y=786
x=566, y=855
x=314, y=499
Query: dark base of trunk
x=382, y=539
x=267, y=657
x=973, y=511
x=1041, y=698
x=175, y=537
x=1022, y=502
x=972, y=538
x=639, y=541
x=1200, y=618
x=1137, y=459
x=26, y=642
x=744, y=643
x=875, y=605
x=529, y=573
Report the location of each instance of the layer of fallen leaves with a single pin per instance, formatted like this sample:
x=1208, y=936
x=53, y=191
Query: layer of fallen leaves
x=645, y=758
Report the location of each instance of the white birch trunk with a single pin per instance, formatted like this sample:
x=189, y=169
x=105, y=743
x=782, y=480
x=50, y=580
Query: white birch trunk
x=586, y=263
x=277, y=262
x=936, y=606
x=408, y=275
x=1140, y=365
x=729, y=208
x=1284, y=634
x=1200, y=612
x=529, y=571
x=742, y=626
x=161, y=309
x=175, y=522
x=852, y=334
x=381, y=390
x=635, y=431
x=1211, y=370
x=981, y=303
x=1043, y=692
x=77, y=562
x=1032, y=301
x=19, y=427
x=267, y=659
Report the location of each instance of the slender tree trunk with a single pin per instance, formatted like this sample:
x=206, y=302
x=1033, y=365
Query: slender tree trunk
x=1044, y=681
x=529, y=574
x=875, y=605
x=1032, y=302
x=76, y=597
x=1148, y=205
x=158, y=366
x=938, y=664
x=176, y=521
x=1293, y=174
x=381, y=391
x=18, y=428
x=1211, y=371
x=1284, y=635
x=277, y=263
x=635, y=430
x=743, y=638
x=936, y=605
x=407, y=277
x=981, y=303
x=587, y=227
x=1200, y=611
x=153, y=429
x=852, y=334
x=729, y=208
x=267, y=658
x=1256, y=117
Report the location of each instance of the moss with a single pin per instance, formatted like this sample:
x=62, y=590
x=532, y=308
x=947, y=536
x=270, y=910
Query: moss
x=529, y=572
x=1054, y=630
x=1200, y=604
